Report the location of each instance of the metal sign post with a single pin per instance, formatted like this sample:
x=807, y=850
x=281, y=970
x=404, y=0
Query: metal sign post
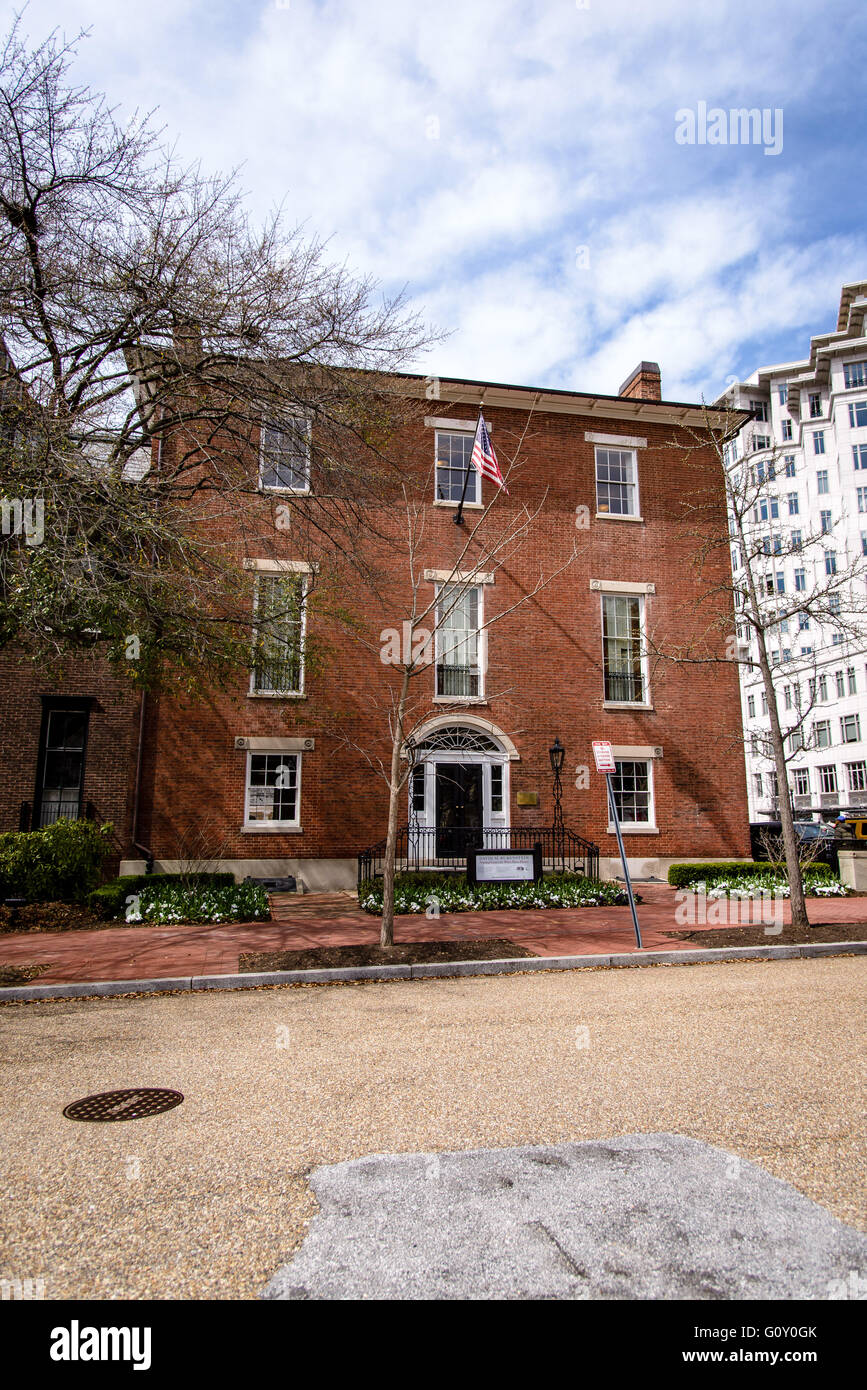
x=605, y=763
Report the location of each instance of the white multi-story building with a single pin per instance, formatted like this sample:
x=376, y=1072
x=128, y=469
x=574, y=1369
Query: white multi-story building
x=806, y=449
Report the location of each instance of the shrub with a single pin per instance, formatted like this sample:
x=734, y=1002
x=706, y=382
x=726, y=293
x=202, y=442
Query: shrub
x=60, y=863
x=686, y=875
x=109, y=901
x=454, y=894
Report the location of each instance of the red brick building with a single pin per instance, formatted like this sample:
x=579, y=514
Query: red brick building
x=277, y=775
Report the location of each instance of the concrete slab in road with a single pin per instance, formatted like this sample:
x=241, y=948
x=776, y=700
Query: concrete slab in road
x=650, y=1216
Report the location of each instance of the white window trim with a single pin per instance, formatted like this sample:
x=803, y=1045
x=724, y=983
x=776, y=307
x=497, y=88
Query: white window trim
x=481, y=646
x=626, y=591
x=631, y=447
x=299, y=694
x=269, y=827
x=465, y=428
x=648, y=827
x=286, y=491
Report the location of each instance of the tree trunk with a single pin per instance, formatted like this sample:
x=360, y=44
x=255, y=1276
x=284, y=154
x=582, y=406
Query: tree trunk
x=800, y=921
x=386, y=935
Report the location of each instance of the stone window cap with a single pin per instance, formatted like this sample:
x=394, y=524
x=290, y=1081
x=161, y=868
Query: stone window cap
x=255, y=744
x=616, y=441
x=281, y=566
x=620, y=586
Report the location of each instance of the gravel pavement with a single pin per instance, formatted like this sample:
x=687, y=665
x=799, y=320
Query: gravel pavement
x=765, y=1060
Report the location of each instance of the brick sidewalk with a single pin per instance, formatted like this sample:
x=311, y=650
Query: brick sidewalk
x=334, y=919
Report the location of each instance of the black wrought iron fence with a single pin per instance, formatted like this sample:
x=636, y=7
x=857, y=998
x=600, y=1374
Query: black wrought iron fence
x=429, y=847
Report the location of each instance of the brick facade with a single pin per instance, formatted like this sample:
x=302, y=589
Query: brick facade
x=544, y=676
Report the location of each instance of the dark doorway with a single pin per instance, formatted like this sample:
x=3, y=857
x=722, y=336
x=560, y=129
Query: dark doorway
x=458, y=807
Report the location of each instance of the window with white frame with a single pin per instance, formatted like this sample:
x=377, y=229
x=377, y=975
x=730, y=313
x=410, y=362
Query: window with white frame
x=850, y=728
x=632, y=785
x=623, y=661
x=827, y=779
x=789, y=462
x=822, y=733
x=815, y=401
x=751, y=706
x=822, y=480
x=757, y=783
x=852, y=680
x=859, y=456
x=801, y=780
x=458, y=641
x=273, y=789
x=454, y=472
x=862, y=499
x=818, y=441
x=278, y=634
x=792, y=500
x=858, y=414
x=857, y=776
x=854, y=374
x=616, y=482
x=284, y=456
x=787, y=429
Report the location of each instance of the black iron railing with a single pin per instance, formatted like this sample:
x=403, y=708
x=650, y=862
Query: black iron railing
x=429, y=847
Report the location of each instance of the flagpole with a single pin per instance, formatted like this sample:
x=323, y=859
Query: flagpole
x=459, y=514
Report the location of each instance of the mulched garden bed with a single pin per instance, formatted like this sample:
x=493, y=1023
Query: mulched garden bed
x=50, y=917
x=755, y=935
x=402, y=953
x=20, y=974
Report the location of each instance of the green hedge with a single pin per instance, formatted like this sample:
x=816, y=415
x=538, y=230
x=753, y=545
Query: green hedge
x=60, y=863
x=685, y=875
x=109, y=901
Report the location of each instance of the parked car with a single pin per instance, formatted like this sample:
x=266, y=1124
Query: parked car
x=807, y=831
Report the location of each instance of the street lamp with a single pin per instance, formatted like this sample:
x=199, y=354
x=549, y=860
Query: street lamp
x=557, y=753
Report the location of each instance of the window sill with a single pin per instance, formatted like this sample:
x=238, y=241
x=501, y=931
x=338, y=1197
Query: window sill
x=618, y=516
x=468, y=506
x=459, y=700
x=626, y=704
x=284, y=491
x=268, y=829
x=634, y=830
x=275, y=695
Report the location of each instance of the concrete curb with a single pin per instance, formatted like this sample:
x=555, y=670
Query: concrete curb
x=442, y=969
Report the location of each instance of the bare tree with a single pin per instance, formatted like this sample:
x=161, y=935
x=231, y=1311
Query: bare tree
x=158, y=351
x=737, y=551
x=408, y=626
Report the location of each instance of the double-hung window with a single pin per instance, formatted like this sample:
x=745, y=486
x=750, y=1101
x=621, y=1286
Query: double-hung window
x=616, y=482
x=818, y=441
x=459, y=642
x=854, y=374
x=456, y=477
x=278, y=634
x=787, y=429
x=850, y=728
x=284, y=456
x=822, y=733
x=273, y=789
x=623, y=654
x=60, y=774
x=632, y=786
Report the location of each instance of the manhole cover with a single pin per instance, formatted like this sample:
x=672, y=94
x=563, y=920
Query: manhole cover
x=123, y=1105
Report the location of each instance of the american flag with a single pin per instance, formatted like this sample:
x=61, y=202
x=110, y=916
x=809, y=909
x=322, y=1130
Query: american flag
x=483, y=459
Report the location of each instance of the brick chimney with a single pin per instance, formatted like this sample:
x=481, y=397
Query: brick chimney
x=644, y=384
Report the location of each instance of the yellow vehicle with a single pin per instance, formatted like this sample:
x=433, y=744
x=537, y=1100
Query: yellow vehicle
x=853, y=829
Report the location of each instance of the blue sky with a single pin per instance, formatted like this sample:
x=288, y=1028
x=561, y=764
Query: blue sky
x=514, y=165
